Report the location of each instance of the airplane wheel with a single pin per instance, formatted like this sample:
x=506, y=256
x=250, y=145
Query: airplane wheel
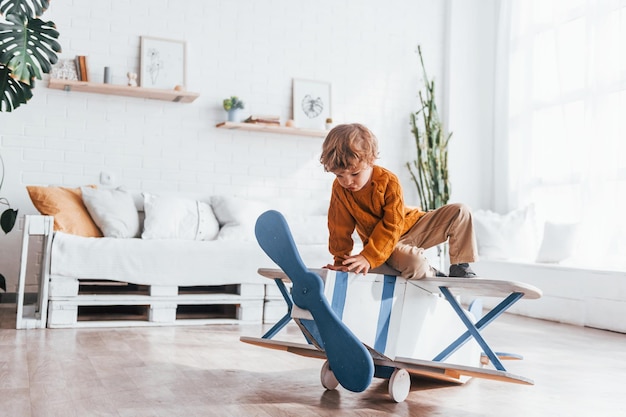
x=328, y=377
x=399, y=385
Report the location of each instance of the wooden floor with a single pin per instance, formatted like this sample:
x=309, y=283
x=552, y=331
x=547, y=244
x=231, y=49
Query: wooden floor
x=206, y=371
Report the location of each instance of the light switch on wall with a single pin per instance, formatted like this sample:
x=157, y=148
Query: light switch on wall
x=107, y=178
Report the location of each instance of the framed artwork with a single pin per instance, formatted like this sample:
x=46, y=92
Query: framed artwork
x=311, y=103
x=162, y=63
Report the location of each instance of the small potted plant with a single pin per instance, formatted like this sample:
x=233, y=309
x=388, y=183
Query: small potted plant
x=232, y=105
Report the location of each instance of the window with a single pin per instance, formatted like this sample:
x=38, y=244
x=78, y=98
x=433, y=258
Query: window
x=566, y=121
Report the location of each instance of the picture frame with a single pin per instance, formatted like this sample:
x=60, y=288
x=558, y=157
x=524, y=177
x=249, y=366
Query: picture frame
x=311, y=103
x=65, y=69
x=163, y=63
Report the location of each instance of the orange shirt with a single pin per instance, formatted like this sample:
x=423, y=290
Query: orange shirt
x=376, y=211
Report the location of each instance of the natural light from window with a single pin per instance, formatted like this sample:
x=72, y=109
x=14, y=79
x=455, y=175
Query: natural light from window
x=567, y=119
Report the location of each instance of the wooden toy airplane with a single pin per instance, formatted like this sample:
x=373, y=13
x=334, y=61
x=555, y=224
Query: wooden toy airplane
x=381, y=325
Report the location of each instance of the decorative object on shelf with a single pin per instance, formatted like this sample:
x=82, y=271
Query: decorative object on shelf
x=65, y=69
x=290, y=123
x=233, y=115
x=21, y=64
x=263, y=119
x=329, y=123
x=107, y=75
x=132, y=79
x=429, y=170
x=81, y=67
x=311, y=103
x=232, y=105
x=162, y=63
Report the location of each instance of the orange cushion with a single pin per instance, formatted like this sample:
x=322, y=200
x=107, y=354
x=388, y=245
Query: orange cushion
x=66, y=205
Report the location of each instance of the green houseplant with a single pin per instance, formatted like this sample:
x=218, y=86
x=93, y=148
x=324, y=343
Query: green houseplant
x=429, y=170
x=232, y=105
x=7, y=218
x=28, y=49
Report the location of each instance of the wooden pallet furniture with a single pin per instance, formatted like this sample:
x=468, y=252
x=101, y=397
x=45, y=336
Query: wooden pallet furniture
x=74, y=302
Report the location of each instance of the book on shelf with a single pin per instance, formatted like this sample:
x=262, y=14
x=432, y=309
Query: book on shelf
x=81, y=68
x=84, y=67
x=77, y=63
x=263, y=119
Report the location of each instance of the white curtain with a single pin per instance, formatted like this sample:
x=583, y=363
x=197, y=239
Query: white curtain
x=562, y=86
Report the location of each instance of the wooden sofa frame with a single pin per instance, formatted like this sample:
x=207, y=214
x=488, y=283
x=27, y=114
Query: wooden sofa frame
x=72, y=302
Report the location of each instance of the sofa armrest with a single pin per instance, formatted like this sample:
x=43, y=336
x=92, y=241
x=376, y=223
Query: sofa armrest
x=35, y=316
x=38, y=224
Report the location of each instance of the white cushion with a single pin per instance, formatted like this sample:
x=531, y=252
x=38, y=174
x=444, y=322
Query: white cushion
x=113, y=211
x=507, y=236
x=167, y=262
x=237, y=217
x=178, y=218
x=559, y=241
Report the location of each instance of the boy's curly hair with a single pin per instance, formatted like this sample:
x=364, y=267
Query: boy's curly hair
x=348, y=145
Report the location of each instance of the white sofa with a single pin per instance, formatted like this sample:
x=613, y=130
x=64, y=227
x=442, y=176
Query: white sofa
x=190, y=259
x=571, y=294
x=517, y=247
x=156, y=272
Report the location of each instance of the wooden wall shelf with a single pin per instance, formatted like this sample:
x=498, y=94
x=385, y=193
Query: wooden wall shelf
x=272, y=129
x=123, y=90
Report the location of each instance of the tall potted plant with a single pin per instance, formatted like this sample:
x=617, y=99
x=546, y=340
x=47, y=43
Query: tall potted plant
x=429, y=170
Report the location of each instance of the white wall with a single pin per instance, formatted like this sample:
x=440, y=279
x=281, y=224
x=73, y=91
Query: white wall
x=252, y=49
x=471, y=68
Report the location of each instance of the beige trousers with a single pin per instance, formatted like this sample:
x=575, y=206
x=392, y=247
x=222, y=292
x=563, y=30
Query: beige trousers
x=452, y=222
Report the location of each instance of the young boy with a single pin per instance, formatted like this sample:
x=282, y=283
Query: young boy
x=368, y=198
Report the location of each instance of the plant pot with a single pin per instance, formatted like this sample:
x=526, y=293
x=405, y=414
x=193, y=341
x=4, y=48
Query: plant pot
x=234, y=116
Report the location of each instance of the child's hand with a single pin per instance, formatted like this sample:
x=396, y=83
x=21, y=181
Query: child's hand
x=357, y=264
x=337, y=268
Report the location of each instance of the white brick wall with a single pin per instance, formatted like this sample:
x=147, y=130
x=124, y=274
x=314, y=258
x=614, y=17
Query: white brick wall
x=248, y=48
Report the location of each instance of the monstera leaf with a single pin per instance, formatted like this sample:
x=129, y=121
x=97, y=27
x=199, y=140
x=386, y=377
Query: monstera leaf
x=31, y=8
x=7, y=220
x=15, y=92
x=28, y=47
